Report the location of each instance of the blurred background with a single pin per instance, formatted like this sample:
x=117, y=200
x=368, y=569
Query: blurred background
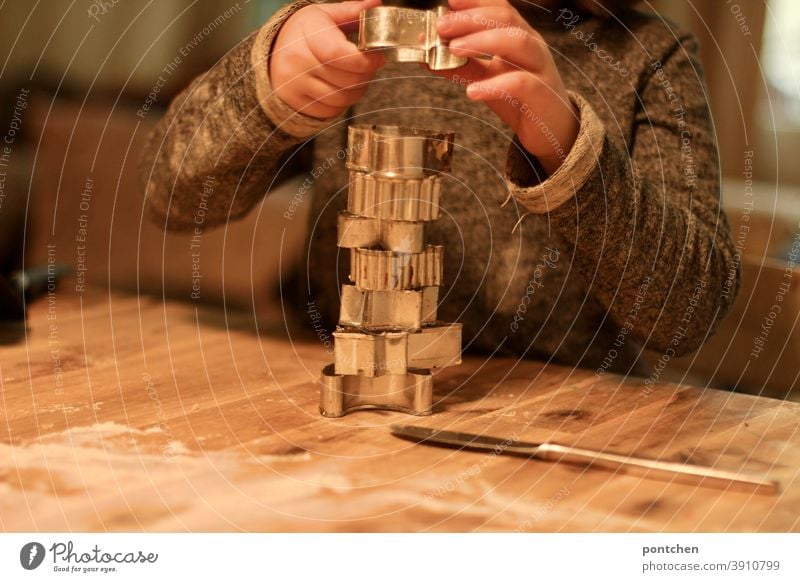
x=76, y=74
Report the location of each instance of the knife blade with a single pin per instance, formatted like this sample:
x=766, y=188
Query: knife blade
x=649, y=468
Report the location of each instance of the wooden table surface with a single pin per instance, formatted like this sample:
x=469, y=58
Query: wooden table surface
x=127, y=413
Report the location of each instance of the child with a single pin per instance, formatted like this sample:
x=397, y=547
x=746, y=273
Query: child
x=590, y=118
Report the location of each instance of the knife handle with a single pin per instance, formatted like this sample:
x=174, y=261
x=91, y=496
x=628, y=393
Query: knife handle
x=664, y=470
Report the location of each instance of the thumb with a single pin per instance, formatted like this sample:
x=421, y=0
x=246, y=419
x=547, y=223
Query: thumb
x=465, y=75
x=345, y=14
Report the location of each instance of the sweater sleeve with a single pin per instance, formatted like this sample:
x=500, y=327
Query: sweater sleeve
x=644, y=222
x=218, y=148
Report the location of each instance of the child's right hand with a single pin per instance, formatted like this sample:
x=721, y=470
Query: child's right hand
x=313, y=68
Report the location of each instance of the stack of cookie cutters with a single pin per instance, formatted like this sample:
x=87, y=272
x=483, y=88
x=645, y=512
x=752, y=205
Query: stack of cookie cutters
x=389, y=339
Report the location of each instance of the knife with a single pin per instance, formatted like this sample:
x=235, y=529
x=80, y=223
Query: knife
x=649, y=468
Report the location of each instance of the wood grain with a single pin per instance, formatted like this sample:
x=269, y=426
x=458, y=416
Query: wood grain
x=179, y=417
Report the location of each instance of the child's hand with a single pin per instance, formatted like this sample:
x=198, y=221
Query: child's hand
x=520, y=83
x=313, y=68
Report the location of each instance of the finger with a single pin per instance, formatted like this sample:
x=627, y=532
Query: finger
x=454, y=24
x=519, y=48
x=465, y=75
x=306, y=101
x=337, y=51
x=508, y=87
x=339, y=77
x=329, y=94
x=318, y=110
x=365, y=63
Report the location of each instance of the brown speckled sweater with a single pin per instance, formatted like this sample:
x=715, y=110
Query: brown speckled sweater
x=624, y=246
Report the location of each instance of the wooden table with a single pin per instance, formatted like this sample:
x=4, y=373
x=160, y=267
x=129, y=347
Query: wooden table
x=126, y=413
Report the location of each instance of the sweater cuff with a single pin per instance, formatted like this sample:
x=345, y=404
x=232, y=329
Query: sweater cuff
x=523, y=173
x=282, y=115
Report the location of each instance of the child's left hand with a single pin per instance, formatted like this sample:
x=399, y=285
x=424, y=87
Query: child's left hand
x=520, y=83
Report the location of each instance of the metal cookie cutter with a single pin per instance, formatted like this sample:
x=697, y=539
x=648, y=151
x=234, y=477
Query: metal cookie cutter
x=407, y=199
x=388, y=310
x=377, y=270
x=362, y=231
x=406, y=35
x=411, y=393
x=379, y=354
x=395, y=172
x=395, y=152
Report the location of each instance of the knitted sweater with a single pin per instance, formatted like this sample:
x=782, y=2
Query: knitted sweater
x=625, y=246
